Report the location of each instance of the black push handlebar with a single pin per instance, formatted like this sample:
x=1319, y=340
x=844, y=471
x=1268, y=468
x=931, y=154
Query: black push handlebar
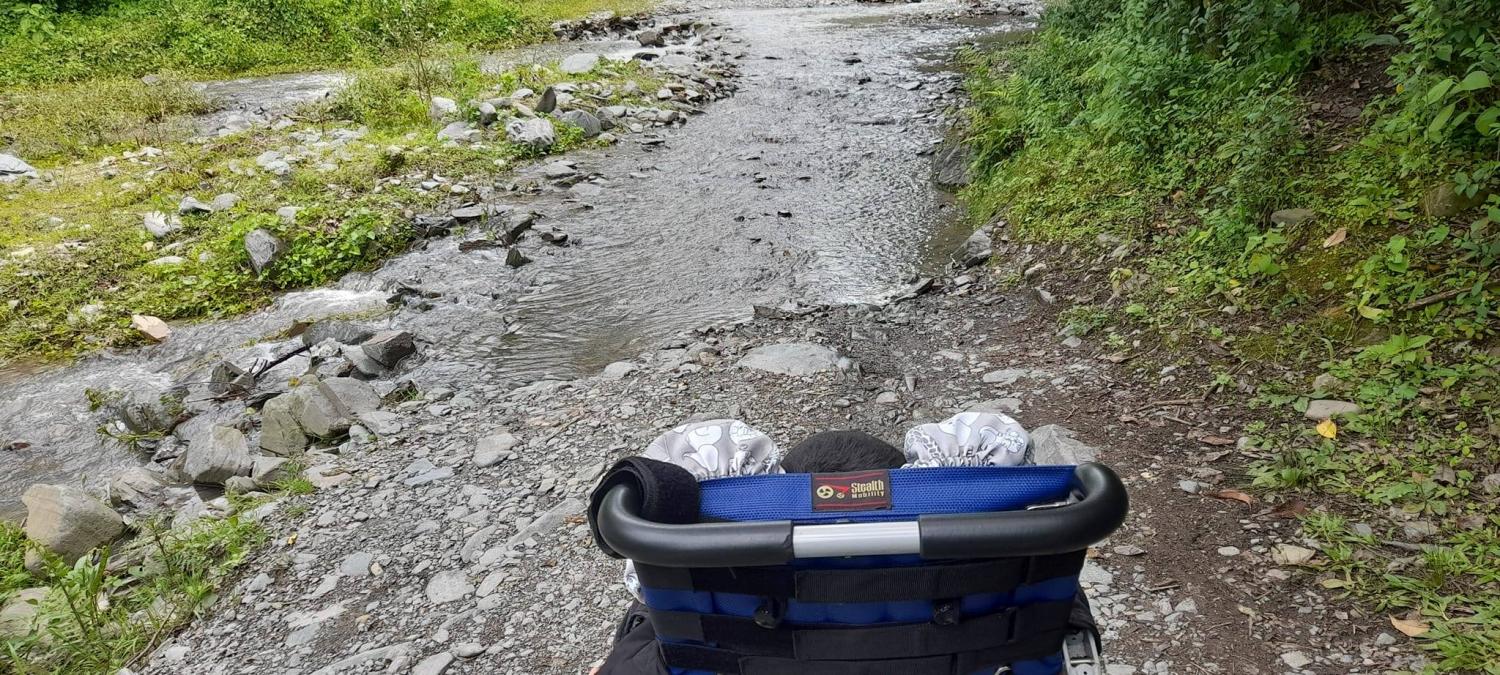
x=1100, y=509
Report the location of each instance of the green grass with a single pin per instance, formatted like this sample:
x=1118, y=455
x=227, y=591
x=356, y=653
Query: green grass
x=78, y=242
x=1180, y=128
x=91, y=39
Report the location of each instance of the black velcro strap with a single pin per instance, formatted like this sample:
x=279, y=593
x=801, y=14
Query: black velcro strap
x=890, y=584
x=885, y=641
x=694, y=657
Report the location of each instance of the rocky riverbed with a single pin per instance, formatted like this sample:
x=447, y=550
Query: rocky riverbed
x=783, y=258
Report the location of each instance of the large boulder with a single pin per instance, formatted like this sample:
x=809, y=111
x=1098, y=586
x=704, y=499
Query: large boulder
x=792, y=358
x=280, y=434
x=327, y=409
x=223, y=454
x=137, y=487
x=67, y=521
x=535, y=133
x=388, y=347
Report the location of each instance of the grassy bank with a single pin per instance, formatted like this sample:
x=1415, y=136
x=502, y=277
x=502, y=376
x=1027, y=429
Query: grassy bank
x=1310, y=186
x=77, y=259
x=49, y=41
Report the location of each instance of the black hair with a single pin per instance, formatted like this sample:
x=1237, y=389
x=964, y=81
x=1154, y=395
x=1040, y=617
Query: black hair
x=836, y=451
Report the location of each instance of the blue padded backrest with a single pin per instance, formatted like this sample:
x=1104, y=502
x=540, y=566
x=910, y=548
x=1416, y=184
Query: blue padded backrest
x=914, y=492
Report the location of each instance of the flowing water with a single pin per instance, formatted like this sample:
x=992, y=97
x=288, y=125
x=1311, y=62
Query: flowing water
x=811, y=184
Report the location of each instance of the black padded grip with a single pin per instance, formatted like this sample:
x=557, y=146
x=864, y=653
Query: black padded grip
x=695, y=545
x=1073, y=527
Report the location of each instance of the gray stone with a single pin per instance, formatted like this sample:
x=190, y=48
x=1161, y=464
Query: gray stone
x=618, y=370
x=1296, y=660
x=793, y=358
x=552, y=519
x=238, y=485
x=535, y=133
x=380, y=422
x=1291, y=216
x=191, y=206
x=18, y=617
x=649, y=38
x=442, y=108
x=355, y=397
x=160, y=224
x=317, y=415
x=224, y=202
x=584, y=120
x=388, y=348
x=288, y=214
x=976, y=250
x=136, y=487
x=339, y=331
x=433, y=665
x=430, y=476
x=1322, y=409
x=548, y=101
x=1444, y=201
x=264, y=248
x=1006, y=376
x=356, y=565
x=67, y=521
x=492, y=449
x=515, y=258
x=215, y=459
x=1053, y=444
x=267, y=471
x=14, y=168
x=999, y=406
x=448, y=586
x=488, y=113
x=458, y=131
x=280, y=434
x=950, y=165
x=578, y=64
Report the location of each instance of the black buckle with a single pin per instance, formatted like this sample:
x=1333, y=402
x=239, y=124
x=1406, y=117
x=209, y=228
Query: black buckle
x=769, y=614
x=946, y=612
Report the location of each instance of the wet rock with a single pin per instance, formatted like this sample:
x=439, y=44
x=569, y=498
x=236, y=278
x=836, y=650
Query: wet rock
x=491, y=450
x=213, y=460
x=1322, y=409
x=1052, y=444
x=1291, y=216
x=151, y=327
x=280, y=434
x=579, y=64
x=13, y=168
x=67, y=521
x=440, y=108
x=388, y=348
x=160, y=224
x=583, y=120
x=342, y=332
x=950, y=165
x=793, y=358
x=190, y=206
x=650, y=38
x=548, y=101
x=536, y=134
x=514, y=258
x=433, y=225
x=976, y=250
x=264, y=248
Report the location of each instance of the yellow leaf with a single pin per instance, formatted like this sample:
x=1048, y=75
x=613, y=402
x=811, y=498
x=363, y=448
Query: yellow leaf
x=1328, y=429
x=1333, y=583
x=1410, y=627
x=1336, y=238
x=291, y=539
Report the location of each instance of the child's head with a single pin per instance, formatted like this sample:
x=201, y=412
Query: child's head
x=837, y=451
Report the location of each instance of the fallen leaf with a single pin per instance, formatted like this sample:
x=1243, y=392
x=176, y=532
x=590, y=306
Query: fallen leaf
x=291, y=539
x=1333, y=583
x=1291, y=554
x=1336, y=238
x=1290, y=509
x=1328, y=429
x=1410, y=627
x=1216, y=440
x=1235, y=495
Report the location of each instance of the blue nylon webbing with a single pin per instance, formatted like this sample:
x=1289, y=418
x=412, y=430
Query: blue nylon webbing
x=914, y=492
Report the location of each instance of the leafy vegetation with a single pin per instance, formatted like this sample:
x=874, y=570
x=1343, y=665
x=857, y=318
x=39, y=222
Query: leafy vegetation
x=78, y=261
x=48, y=41
x=111, y=608
x=1311, y=184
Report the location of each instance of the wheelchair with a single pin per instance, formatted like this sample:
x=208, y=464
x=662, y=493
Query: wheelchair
x=911, y=571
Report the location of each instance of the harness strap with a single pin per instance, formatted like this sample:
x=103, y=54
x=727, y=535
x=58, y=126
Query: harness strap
x=889, y=584
x=889, y=641
x=727, y=662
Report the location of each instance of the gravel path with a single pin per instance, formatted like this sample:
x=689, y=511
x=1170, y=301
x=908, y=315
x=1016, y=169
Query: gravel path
x=452, y=539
